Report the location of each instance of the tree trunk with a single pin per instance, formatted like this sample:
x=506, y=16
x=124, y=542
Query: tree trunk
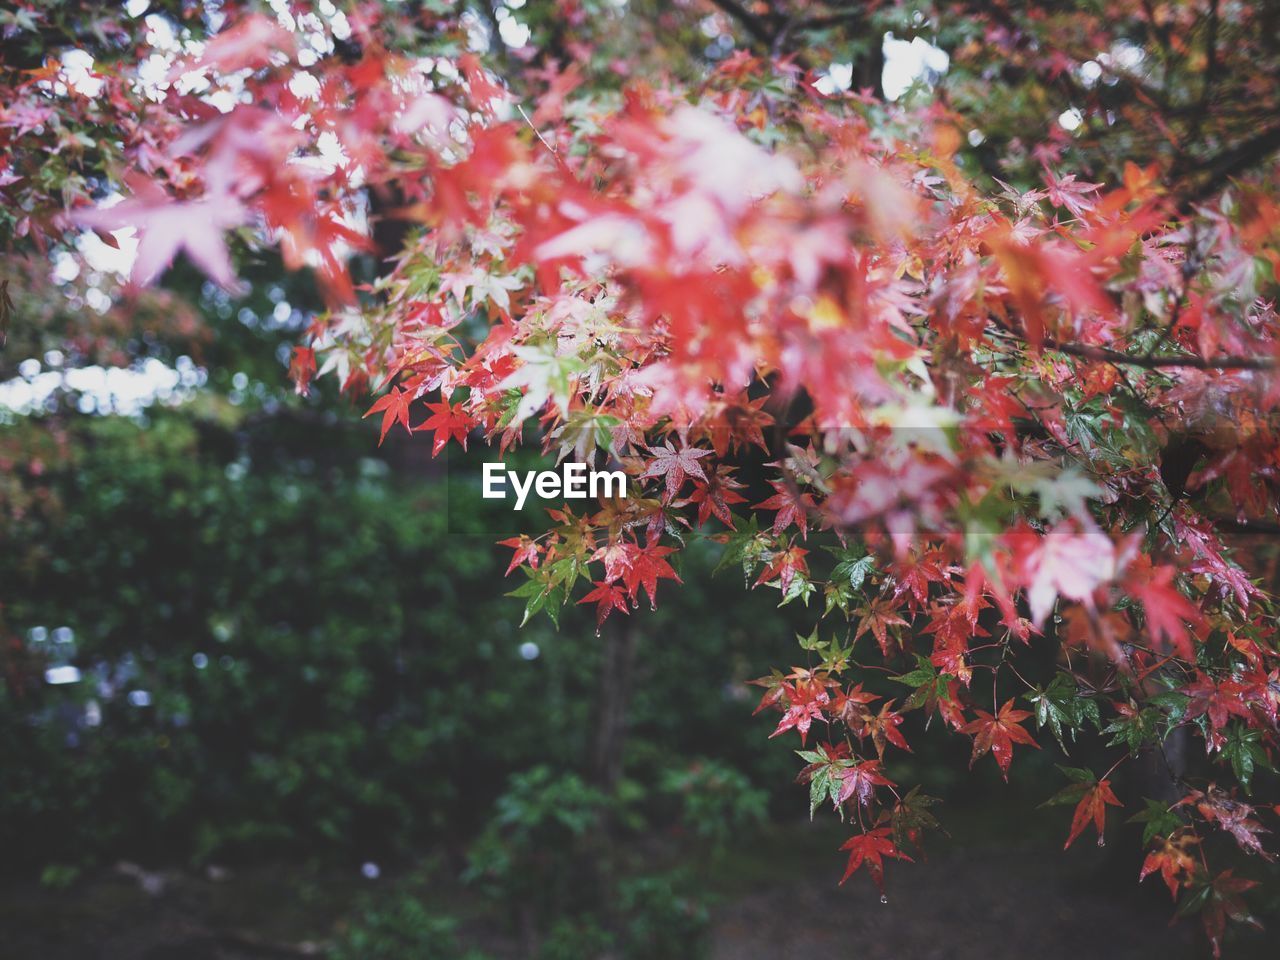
x=615, y=697
x=611, y=734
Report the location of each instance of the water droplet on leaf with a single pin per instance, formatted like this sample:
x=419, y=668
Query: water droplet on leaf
x=884, y=898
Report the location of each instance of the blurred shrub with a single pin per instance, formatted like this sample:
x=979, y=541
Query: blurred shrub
x=717, y=802
x=550, y=855
x=273, y=658
x=284, y=649
x=576, y=937
x=540, y=823
x=397, y=928
x=665, y=917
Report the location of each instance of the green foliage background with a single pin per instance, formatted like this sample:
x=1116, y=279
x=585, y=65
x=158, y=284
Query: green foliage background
x=331, y=671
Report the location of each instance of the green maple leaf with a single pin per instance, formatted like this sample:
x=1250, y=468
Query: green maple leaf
x=1159, y=820
x=1061, y=705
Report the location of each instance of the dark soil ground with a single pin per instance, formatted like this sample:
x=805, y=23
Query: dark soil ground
x=962, y=905
x=976, y=898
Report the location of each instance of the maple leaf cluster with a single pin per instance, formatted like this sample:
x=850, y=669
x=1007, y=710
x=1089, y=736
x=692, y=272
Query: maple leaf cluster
x=950, y=420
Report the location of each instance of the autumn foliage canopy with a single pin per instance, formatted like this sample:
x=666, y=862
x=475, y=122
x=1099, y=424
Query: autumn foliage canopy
x=1006, y=379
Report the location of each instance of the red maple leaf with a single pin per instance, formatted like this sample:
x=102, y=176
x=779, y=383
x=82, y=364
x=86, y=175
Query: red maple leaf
x=166, y=226
x=997, y=735
x=645, y=568
x=913, y=577
x=850, y=708
x=1233, y=816
x=1067, y=192
x=526, y=551
x=247, y=45
x=805, y=703
x=1092, y=806
x=791, y=508
x=1063, y=562
x=739, y=424
x=785, y=565
x=484, y=91
x=878, y=618
x=394, y=406
x=302, y=367
x=715, y=495
x=559, y=85
x=1224, y=902
x=883, y=728
x=607, y=597
x=775, y=690
x=1168, y=612
x=1172, y=857
x=1219, y=701
x=871, y=848
x=859, y=782
x=674, y=466
x=1261, y=688
x=318, y=237
x=447, y=422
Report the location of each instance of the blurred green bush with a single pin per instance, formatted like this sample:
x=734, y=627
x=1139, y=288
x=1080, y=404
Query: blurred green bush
x=398, y=927
x=291, y=654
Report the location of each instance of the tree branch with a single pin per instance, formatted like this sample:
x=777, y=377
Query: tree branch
x=1107, y=355
x=824, y=21
x=1261, y=527
x=753, y=24
x=1236, y=160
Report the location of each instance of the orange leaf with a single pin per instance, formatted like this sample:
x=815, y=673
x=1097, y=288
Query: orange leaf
x=1092, y=806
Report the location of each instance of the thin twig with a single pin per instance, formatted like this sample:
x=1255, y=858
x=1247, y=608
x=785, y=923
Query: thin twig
x=538, y=133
